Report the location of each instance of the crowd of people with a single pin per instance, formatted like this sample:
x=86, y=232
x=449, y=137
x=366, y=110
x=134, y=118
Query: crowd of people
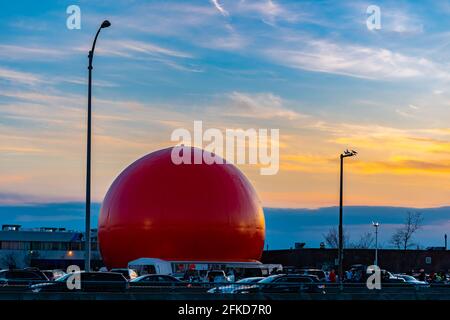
x=358, y=275
x=432, y=277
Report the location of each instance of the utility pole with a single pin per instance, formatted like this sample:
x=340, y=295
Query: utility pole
x=341, y=231
x=376, y=225
x=87, y=235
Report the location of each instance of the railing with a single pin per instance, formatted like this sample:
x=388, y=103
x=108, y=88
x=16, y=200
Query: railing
x=224, y=288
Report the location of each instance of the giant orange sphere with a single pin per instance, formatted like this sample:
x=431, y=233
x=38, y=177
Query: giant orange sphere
x=182, y=212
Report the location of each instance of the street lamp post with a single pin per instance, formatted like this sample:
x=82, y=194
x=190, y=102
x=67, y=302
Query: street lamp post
x=341, y=233
x=376, y=225
x=87, y=249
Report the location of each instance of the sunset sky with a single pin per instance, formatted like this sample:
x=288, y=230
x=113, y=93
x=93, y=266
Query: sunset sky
x=312, y=70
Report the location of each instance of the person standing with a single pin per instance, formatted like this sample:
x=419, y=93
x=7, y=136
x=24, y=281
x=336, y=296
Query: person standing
x=332, y=276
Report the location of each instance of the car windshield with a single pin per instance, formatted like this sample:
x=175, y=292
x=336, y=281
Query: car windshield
x=145, y=278
x=63, y=278
x=408, y=278
x=268, y=279
x=249, y=280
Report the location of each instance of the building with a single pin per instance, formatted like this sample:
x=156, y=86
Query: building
x=45, y=247
x=390, y=259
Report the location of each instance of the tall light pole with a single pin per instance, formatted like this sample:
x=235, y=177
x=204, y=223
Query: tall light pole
x=376, y=225
x=341, y=233
x=87, y=245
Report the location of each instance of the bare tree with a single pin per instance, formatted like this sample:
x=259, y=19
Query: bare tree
x=402, y=238
x=366, y=241
x=28, y=258
x=332, y=238
x=9, y=260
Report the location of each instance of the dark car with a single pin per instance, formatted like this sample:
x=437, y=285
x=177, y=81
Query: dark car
x=129, y=274
x=315, y=272
x=89, y=282
x=20, y=279
x=238, y=287
x=53, y=274
x=216, y=276
x=289, y=283
x=158, y=281
x=411, y=281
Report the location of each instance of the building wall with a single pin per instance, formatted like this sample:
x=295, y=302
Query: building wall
x=46, y=259
x=392, y=260
x=44, y=249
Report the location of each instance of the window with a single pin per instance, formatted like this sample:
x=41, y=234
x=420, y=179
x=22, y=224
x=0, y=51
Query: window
x=300, y=279
x=152, y=278
x=40, y=245
x=15, y=245
x=23, y=275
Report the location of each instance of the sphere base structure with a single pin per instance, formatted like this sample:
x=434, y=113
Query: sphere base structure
x=184, y=212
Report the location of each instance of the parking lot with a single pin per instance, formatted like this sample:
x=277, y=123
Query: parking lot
x=115, y=286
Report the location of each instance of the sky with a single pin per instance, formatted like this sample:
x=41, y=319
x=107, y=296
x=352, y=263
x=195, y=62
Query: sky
x=311, y=69
x=284, y=227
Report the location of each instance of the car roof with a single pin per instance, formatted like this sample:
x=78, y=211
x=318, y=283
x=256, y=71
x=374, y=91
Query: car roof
x=153, y=275
x=309, y=269
x=23, y=270
x=293, y=275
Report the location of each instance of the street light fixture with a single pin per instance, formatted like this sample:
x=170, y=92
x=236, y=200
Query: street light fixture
x=343, y=155
x=87, y=249
x=376, y=225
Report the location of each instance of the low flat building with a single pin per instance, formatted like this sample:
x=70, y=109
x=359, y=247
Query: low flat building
x=436, y=259
x=45, y=248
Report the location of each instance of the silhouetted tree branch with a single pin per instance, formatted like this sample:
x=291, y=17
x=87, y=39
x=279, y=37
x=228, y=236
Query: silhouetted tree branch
x=332, y=238
x=366, y=241
x=402, y=238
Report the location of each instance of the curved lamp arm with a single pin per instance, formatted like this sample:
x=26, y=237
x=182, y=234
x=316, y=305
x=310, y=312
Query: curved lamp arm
x=105, y=24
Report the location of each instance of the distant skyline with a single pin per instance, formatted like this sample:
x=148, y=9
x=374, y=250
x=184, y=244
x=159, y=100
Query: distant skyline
x=309, y=68
x=284, y=227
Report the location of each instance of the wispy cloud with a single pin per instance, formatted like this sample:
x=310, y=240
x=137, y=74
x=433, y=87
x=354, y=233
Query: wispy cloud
x=269, y=11
x=20, y=77
x=219, y=7
x=401, y=21
x=258, y=106
x=141, y=47
x=355, y=61
x=53, y=218
x=31, y=53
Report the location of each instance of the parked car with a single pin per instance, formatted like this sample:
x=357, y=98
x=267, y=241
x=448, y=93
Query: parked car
x=237, y=287
x=129, y=274
x=89, y=282
x=315, y=272
x=410, y=280
x=19, y=279
x=52, y=275
x=157, y=280
x=216, y=276
x=288, y=283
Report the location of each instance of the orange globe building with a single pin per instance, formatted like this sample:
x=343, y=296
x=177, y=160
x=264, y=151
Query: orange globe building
x=184, y=212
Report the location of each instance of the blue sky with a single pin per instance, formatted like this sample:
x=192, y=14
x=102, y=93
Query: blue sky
x=310, y=68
